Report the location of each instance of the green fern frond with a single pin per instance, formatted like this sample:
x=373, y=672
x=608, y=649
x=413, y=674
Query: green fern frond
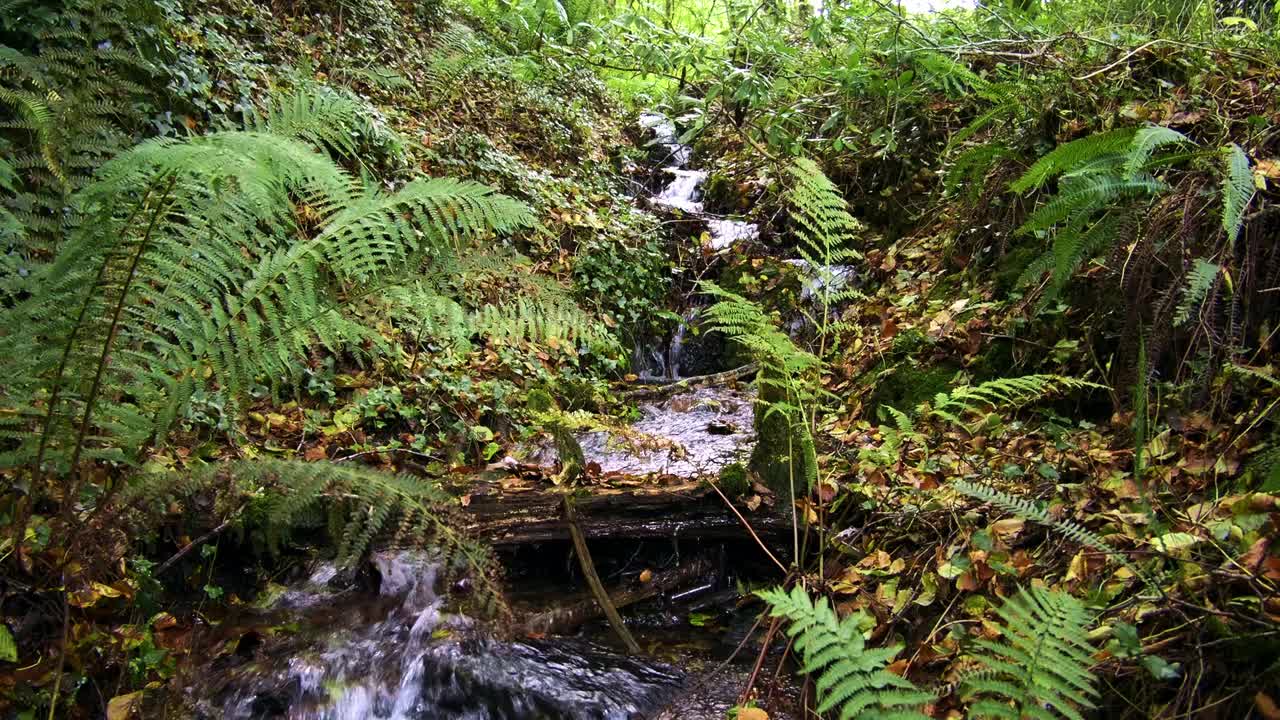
x=746, y=323
x=851, y=679
x=1088, y=194
x=1028, y=510
x=1004, y=392
x=1199, y=281
x=1237, y=189
x=312, y=113
x=277, y=497
x=1042, y=667
x=826, y=229
x=1068, y=156
x=1146, y=142
x=195, y=270
x=970, y=168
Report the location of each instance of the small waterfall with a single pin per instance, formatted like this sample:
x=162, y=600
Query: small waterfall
x=664, y=131
x=817, y=279
x=683, y=190
x=417, y=662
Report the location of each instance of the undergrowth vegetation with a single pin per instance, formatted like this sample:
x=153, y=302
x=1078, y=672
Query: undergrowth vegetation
x=284, y=277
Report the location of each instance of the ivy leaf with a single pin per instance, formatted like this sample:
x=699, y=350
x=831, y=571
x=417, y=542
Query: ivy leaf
x=1160, y=668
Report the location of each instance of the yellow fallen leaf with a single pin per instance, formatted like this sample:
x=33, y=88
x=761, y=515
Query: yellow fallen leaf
x=121, y=707
x=752, y=713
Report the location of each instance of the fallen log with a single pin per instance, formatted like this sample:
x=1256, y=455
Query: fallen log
x=657, y=392
x=681, y=510
x=568, y=618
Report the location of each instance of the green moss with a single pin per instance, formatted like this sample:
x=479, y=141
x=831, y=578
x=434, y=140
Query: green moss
x=733, y=479
x=784, y=452
x=906, y=385
x=539, y=400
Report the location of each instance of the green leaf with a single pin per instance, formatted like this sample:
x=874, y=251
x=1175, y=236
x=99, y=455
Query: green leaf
x=8, y=648
x=1160, y=668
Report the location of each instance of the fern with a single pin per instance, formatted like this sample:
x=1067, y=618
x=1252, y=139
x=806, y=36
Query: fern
x=1028, y=510
x=1001, y=392
x=553, y=324
x=969, y=169
x=1146, y=141
x=430, y=316
x=1041, y=669
x=358, y=506
x=1068, y=156
x=195, y=270
x=1104, y=182
x=746, y=323
x=76, y=90
x=1199, y=281
x=1088, y=194
x=851, y=678
x=1237, y=190
x=314, y=114
x=826, y=232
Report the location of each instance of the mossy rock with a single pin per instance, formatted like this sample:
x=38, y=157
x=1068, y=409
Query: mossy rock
x=908, y=385
x=783, y=454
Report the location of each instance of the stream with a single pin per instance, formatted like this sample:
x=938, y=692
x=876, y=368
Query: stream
x=392, y=644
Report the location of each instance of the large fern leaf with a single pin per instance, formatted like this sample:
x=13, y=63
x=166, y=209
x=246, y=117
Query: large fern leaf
x=851, y=679
x=1041, y=668
x=1071, y=155
x=1237, y=189
x=1146, y=142
x=1089, y=194
x=1199, y=281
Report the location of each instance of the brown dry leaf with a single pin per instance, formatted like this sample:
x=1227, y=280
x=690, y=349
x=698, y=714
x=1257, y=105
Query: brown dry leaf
x=967, y=582
x=315, y=452
x=877, y=559
x=1252, y=558
x=1008, y=528
x=827, y=491
x=898, y=667
x=753, y=503
x=1267, y=707
x=1269, y=168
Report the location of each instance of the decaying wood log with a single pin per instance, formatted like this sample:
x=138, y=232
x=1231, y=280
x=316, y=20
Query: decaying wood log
x=649, y=510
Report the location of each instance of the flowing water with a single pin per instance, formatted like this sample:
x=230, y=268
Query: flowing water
x=396, y=649
x=400, y=655
x=684, y=190
x=690, y=434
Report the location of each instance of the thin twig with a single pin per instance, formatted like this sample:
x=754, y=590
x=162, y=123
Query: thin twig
x=198, y=541
x=747, y=525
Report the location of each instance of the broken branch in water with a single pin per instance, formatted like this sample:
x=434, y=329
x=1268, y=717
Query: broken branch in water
x=569, y=617
x=653, y=392
x=593, y=580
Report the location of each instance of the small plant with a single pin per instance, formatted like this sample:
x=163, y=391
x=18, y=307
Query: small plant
x=851, y=678
x=1041, y=669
